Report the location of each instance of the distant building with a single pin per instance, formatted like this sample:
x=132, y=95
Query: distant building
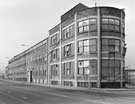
x=86, y=49
x=130, y=76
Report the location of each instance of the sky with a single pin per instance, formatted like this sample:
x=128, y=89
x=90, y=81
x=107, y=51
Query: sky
x=28, y=21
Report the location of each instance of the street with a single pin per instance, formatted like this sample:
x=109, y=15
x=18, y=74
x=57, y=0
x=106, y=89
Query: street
x=20, y=93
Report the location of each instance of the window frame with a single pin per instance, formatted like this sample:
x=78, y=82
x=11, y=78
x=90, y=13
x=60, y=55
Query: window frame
x=110, y=24
x=88, y=46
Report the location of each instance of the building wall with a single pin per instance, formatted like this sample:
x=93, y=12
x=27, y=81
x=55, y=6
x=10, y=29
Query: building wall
x=129, y=77
x=17, y=68
x=86, y=49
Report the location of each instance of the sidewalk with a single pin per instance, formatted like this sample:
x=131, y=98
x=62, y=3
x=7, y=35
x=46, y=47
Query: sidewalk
x=105, y=90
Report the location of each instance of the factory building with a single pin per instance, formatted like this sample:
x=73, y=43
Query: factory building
x=86, y=49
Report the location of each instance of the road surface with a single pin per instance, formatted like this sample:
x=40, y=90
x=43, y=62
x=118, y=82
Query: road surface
x=20, y=93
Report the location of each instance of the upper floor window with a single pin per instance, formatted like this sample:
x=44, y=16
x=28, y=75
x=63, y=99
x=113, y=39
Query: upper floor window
x=87, y=25
x=68, y=32
x=111, y=45
x=54, y=69
x=68, y=50
x=110, y=24
x=87, y=46
x=67, y=70
x=123, y=27
x=86, y=67
x=54, y=54
x=54, y=39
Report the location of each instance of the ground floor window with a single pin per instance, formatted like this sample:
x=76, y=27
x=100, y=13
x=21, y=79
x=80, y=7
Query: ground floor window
x=86, y=84
x=110, y=69
x=82, y=84
x=54, y=82
x=68, y=83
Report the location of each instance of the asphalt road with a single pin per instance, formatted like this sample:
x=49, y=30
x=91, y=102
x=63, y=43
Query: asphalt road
x=19, y=93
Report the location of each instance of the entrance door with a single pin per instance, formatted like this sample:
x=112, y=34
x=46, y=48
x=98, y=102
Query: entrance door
x=30, y=76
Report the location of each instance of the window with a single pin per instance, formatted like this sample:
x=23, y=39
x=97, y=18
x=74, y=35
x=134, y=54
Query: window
x=86, y=67
x=87, y=46
x=123, y=27
x=67, y=50
x=110, y=69
x=54, y=39
x=54, y=54
x=93, y=45
x=54, y=70
x=87, y=25
x=67, y=68
x=111, y=45
x=110, y=24
x=68, y=32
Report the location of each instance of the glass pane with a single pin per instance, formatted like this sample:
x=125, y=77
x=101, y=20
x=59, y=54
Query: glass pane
x=117, y=71
x=93, y=27
x=105, y=27
x=117, y=28
x=105, y=71
x=111, y=71
x=93, y=66
x=80, y=50
x=86, y=63
x=93, y=49
x=117, y=48
x=80, y=23
x=80, y=71
x=111, y=27
x=93, y=21
x=71, y=30
x=105, y=41
x=86, y=48
x=111, y=63
x=85, y=22
x=111, y=48
x=111, y=21
x=86, y=42
x=117, y=63
x=86, y=71
x=92, y=41
x=80, y=64
x=80, y=43
x=80, y=29
x=117, y=22
x=105, y=63
x=104, y=21
x=111, y=42
x=67, y=48
x=86, y=28
x=117, y=42
x=105, y=48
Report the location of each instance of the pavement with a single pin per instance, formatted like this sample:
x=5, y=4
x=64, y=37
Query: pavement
x=129, y=88
x=13, y=92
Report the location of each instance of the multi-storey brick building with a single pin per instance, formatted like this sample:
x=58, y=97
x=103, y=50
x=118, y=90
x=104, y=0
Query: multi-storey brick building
x=86, y=49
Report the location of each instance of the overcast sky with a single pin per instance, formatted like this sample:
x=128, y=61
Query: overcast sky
x=28, y=21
